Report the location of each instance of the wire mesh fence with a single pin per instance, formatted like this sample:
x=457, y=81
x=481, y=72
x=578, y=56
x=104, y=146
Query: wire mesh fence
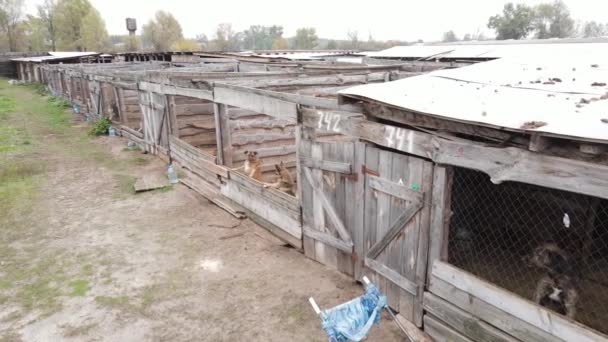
x=545, y=245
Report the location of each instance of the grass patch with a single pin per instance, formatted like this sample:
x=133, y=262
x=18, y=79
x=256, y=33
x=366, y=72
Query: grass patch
x=7, y=105
x=140, y=160
x=165, y=188
x=130, y=149
x=125, y=184
x=117, y=302
x=79, y=287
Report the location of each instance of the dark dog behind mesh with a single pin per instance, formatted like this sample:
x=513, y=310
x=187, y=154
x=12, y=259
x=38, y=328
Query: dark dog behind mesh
x=494, y=228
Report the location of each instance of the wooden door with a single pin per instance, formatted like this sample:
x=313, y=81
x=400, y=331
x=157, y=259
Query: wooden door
x=397, y=189
x=155, y=121
x=332, y=201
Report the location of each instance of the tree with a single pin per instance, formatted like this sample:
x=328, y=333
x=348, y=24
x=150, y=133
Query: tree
x=280, y=44
x=131, y=43
x=186, y=45
x=69, y=15
x=46, y=12
x=11, y=12
x=332, y=45
x=32, y=34
x=594, y=29
x=553, y=21
x=353, y=38
x=306, y=38
x=226, y=39
x=202, y=41
x=162, y=32
x=467, y=37
x=259, y=37
x=514, y=23
x=94, y=34
x=450, y=37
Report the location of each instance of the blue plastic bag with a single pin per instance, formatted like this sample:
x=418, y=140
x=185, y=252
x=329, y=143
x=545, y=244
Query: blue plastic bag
x=352, y=320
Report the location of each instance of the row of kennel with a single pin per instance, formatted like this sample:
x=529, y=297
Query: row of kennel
x=385, y=203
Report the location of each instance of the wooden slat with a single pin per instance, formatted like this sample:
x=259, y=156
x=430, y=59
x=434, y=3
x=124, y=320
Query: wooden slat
x=260, y=104
x=513, y=164
x=395, y=189
x=174, y=90
x=489, y=313
x=328, y=239
x=279, y=198
x=269, y=211
x=397, y=138
x=441, y=332
x=355, y=209
x=440, y=215
x=525, y=310
x=329, y=209
x=394, y=230
x=463, y=322
x=327, y=165
x=392, y=276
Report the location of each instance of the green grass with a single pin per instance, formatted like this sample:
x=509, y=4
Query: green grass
x=7, y=105
x=79, y=287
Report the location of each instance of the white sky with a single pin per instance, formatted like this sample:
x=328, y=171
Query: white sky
x=385, y=19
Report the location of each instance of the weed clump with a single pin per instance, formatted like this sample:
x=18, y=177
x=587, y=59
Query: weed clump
x=101, y=126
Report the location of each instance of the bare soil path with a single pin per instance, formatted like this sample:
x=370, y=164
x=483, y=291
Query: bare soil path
x=83, y=258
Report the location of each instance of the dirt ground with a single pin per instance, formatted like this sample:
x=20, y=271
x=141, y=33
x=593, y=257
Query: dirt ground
x=83, y=258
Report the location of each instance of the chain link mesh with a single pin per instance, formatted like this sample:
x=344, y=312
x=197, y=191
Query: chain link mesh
x=494, y=227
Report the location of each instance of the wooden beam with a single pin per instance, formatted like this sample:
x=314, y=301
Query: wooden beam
x=392, y=276
x=440, y=215
x=395, y=189
x=397, y=138
x=329, y=208
x=346, y=247
x=538, y=143
x=513, y=164
x=441, y=332
x=331, y=104
x=327, y=165
x=174, y=90
x=463, y=322
x=394, y=230
x=538, y=316
x=223, y=134
x=255, y=102
x=502, y=164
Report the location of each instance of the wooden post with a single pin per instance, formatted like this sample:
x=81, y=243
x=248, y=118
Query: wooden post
x=440, y=215
x=222, y=133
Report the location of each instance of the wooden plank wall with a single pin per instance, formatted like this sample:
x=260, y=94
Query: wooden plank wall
x=195, y=122
x=274, y=139
x=128, y=101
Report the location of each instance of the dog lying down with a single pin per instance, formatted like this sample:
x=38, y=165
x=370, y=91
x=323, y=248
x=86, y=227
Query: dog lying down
x=253, y=168
x=558, y=289
x=284, y=182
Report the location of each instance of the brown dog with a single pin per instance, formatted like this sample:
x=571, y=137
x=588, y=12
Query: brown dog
x=252, y=166
x=284, y=180
x=558, y=289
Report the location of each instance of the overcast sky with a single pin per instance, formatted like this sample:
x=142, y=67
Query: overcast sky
x=385, y=19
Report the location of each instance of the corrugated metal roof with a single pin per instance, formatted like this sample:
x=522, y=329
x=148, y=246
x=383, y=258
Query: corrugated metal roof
x=491, y=51
x=55, y=56
x=563, y=97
